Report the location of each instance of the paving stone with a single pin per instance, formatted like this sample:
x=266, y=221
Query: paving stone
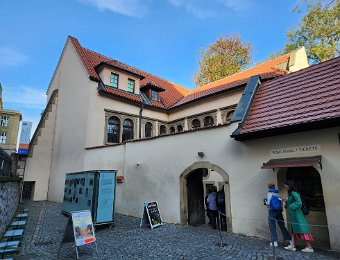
x=126, y=240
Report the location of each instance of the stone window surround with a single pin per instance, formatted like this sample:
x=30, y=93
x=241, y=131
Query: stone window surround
x=121, y=116
x=153, y=123
x=201, y=116
x=225, y=111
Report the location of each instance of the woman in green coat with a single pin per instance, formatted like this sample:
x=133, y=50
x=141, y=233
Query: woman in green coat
x=299, y=225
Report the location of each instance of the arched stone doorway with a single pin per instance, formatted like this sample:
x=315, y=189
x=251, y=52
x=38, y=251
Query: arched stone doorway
x=308, y=181
x=194, y=172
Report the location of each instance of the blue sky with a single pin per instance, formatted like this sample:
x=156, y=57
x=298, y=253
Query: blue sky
x=162, y=37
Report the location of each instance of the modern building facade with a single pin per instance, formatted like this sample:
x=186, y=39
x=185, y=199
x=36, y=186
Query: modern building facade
x=166, y=142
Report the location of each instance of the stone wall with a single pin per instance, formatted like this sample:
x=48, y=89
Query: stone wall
x=9, y=200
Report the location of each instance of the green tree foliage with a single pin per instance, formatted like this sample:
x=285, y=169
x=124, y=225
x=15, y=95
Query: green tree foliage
x=319, y=30
x=226, y=56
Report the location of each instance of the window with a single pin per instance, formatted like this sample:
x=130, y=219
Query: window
x=4, y=121
x=162, y=130
x=208, y=121
x=172, y=130
x=229, y=115
x=154, y=95
x=3, y=136
x=179, y=128
x=114, y=80
x=196, y=124
x=148, y=130
x=127, y=130
x=113, y=130
x=131, y=85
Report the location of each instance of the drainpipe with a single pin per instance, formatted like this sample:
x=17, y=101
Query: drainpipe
x=140, y=119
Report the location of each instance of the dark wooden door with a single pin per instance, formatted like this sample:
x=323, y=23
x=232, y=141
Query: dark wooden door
x=195, y=198
x=27, y=192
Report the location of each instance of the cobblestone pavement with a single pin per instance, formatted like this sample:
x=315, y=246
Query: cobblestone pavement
x=126, y=240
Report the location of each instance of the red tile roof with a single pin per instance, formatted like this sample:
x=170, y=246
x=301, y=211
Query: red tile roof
x=309, y=95
x=175, y=95
x=91, y=59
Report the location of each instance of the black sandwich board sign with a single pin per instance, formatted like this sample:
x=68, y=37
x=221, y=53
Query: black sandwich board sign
x=151, y=215
x=79, y=229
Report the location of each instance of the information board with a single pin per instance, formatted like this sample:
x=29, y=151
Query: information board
x=83, y=228
x=151, y=215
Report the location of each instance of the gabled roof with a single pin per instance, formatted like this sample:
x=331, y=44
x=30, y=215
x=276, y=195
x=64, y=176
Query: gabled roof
x=311, y=95
x=91, y=60
x=174, y=95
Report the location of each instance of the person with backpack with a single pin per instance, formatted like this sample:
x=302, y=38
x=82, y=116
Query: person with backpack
x=299, y=225
x=274, y=204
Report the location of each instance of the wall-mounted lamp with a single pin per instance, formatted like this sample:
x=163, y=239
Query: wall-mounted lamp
x=138, y=163
x=200, y=154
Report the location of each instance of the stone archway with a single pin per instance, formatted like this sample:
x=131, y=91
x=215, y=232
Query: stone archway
x=184, y=194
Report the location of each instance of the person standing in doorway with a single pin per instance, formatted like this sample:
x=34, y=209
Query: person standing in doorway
x=207, y=205
x=220, y=202
x=274, y=204
x=299, y=225
x=213, y=207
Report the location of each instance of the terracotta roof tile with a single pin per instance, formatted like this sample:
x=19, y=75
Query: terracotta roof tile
x=91, y=59
x=309, y=95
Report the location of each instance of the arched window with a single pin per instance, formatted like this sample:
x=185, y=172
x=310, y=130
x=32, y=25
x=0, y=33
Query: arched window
x=179, y=128
x=208, y=121
x=113, y=130
x=162, y=130
x=148, y=129
x=196, y=124
x=172, y=130
x=127, y=130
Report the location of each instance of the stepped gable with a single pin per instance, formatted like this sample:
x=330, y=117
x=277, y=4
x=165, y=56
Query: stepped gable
x=91, y=60
x=309, y=95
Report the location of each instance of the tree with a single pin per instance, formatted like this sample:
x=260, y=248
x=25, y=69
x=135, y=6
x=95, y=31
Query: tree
x=226, y=56
x=319, y=30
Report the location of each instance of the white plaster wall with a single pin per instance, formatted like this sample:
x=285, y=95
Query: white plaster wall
x=219, y=101
x=71, y=120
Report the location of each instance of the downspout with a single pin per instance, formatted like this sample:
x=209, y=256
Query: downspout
x=140, y=119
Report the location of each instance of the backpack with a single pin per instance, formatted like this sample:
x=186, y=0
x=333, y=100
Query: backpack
x=275, y=203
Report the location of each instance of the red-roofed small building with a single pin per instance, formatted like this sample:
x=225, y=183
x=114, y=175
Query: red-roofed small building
x=170, y=144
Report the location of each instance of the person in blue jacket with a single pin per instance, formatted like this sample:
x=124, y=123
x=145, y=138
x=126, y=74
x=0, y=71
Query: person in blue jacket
x=274, y=204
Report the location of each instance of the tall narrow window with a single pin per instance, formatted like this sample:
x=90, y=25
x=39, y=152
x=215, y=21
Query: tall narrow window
x=3, y=136
x=114, y=80
x=196, y=124
x=131, y=85
x=172, y=130
x=148, y=130
x=154, y=95
x=127, y=130
x=113, y=130
x=162, y=130
x=179, y=128
x=4, y=121
x=208, y=121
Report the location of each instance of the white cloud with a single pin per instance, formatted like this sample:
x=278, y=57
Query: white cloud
x=10, y=57
x=205, y=9
x=24, y=97
x=135, y=8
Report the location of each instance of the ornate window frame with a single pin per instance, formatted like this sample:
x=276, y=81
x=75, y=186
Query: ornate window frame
x=225, y=111
x=201, y=116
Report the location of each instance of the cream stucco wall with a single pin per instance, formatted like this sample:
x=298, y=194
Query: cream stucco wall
x=152, y=169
